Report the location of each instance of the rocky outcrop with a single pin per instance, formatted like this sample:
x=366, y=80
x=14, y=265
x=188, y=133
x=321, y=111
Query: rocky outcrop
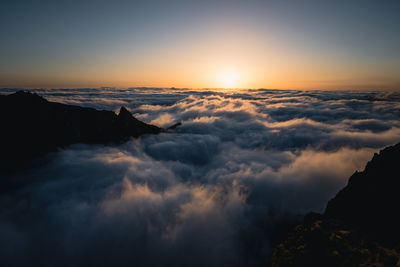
x=329, y=243
x=360, y=226
x=371, y=199
x=32, y=126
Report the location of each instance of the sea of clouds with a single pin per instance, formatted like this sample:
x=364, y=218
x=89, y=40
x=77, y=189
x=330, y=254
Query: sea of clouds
x=209, y=193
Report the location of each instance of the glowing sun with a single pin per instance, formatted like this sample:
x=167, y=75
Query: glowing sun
x=229, y=80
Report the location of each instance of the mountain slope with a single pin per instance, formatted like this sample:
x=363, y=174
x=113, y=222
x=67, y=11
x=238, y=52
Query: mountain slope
x=371, y=199
x=32, y=126
x=360, y=226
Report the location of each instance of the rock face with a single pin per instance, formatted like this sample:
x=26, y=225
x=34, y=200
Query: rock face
x=360, y=226
x=323, y=242
x=371, y=199
x=32, y=126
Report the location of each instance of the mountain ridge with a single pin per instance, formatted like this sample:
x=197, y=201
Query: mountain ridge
x=360, y=225
x=33, y=126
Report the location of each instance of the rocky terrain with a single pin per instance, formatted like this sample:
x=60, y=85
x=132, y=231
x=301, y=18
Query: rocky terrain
x=32, y=126
x=360, y=226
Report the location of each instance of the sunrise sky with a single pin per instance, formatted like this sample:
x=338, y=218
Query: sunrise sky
x=201, y=44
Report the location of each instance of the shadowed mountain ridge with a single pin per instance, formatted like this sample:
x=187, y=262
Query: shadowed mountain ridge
x=371, y=198
x=32, y=126
x=360, y=226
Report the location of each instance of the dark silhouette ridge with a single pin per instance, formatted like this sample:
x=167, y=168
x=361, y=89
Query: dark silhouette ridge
x=174, y=126
x=360, y=226
x=32, y=126
x=371, y=199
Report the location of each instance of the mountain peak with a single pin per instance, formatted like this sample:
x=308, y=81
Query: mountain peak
x=123, y=112
x=53, y=125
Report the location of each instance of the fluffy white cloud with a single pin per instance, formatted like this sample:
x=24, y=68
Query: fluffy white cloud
x=209, y=193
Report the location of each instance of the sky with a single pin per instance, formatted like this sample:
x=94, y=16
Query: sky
x=351, y=45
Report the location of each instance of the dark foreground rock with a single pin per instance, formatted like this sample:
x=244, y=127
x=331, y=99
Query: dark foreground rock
x=360, y=226
x=331, y=244
x=371, y=200
x=32, y=126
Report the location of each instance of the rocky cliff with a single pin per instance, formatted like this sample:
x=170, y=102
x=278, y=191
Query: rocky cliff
x=360, y=226
x=371, y=199
x=32, y=126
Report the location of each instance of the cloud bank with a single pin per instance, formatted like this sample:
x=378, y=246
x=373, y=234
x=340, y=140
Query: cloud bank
x=208, y=194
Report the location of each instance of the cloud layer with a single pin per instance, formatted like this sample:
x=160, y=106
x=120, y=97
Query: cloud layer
x=209, y=193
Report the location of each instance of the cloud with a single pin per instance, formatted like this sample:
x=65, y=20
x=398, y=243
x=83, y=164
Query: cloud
x=208, y=194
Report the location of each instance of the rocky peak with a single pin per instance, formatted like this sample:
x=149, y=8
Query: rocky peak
x=124, y=113
x=32, y=126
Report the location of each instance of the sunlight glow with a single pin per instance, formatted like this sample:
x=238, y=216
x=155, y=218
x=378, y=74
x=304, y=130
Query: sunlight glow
x=229, y=80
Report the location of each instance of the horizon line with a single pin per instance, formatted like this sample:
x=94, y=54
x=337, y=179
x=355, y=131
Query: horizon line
x=197, y=88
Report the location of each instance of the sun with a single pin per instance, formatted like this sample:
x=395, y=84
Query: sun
x=229, y=79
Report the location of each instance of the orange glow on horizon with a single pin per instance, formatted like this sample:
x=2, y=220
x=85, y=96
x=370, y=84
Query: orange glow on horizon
x=216, y=59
